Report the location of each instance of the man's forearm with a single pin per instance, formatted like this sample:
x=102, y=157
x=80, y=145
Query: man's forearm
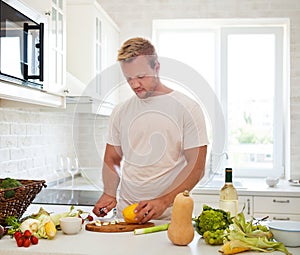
x=111, y=169
x=111, y=179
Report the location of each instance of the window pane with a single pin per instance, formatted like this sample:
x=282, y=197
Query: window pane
x=250, y=81
x=60, y=4
x=60, y=32
x=59, y=68
x=195, y=48
x=53, y=76
x=54, y=28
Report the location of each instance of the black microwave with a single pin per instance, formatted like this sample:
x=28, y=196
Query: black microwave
x=21, y=44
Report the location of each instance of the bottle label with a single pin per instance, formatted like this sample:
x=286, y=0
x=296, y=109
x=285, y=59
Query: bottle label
x=229, y=206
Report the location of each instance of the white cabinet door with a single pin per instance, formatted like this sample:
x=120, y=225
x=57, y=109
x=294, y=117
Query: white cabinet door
x=55, y=42
x=279, y=208
x=92, y=44
x=245, y=202
x=43, y=7
x=57, y=46
x=201, y=199
x=277, y=216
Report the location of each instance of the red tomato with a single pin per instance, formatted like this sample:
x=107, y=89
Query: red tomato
x=27, y=233
x=27, y=242
x=17, y=235
x=34, y=240
x=20, y=242
x=90, y=217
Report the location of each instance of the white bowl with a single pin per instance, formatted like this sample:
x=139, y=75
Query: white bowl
x=272, y=181
x=286, y=232
x=70, y=225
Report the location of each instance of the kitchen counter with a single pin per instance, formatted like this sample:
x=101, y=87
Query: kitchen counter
x=87, y=242
x=67, y=197
x=251, y=186
x=83, y=193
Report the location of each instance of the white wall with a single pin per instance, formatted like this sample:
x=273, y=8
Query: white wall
x=31, y=139
x=134, y=18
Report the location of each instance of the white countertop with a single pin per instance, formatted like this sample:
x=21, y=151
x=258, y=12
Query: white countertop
x=255, y=187
x=87, y=242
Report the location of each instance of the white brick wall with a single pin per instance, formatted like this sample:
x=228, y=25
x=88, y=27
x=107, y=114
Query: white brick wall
x=32, y=141
x=134, y=18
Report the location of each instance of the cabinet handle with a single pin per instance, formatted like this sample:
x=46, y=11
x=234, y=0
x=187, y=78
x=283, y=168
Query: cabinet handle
x=281, y=201
x=279, y=218
x=248, y=207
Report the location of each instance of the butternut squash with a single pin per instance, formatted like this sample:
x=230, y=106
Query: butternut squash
x=181, y=230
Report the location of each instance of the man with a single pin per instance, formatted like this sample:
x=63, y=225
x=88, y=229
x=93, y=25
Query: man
x=157, y=141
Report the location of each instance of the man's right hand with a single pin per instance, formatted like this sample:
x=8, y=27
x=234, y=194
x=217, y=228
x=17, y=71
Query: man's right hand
x=104, y=205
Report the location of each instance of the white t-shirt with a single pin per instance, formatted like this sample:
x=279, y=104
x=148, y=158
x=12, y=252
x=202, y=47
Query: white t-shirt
x=153, y=134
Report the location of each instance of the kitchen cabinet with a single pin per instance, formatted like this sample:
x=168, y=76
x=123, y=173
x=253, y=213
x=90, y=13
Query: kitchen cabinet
x=55, y=42
x=277, y=207
x=280, y=203
x=213, y=201
x=51, y=94
x=92, y=44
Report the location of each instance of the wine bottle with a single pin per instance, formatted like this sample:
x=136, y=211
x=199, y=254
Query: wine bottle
x=228, y=195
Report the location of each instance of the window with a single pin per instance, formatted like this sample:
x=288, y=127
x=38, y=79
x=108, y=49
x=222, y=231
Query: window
x=244, y=62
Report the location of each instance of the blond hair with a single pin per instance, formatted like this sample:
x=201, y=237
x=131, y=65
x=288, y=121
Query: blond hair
x=135, y=47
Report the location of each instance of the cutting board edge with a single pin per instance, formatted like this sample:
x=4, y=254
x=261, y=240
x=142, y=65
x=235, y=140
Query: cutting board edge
x=117, y=228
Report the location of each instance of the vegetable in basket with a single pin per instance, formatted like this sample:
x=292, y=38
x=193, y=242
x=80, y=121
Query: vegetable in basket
x=9, y=183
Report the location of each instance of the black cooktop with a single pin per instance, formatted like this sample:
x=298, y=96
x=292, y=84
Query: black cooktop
x=67, y=197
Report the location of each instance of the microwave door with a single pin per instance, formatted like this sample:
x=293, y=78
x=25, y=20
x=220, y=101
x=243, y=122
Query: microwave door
x=33, y=54
x=12, y=50
x=21, y=46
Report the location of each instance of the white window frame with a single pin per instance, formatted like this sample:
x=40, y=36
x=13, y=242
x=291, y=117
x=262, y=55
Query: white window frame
x=224, y=27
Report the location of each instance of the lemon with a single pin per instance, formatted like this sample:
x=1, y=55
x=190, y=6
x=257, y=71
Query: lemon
x=129, y=214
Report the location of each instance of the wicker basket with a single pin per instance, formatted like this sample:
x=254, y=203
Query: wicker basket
x=24, y=195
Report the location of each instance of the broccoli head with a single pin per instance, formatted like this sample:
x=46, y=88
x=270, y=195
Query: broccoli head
x=9, y=183
x=212, y=219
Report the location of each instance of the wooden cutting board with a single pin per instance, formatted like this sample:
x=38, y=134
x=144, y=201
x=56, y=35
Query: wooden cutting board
x=119, y=227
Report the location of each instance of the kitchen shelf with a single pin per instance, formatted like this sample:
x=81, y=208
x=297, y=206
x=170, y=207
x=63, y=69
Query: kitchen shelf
x=12, y=92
